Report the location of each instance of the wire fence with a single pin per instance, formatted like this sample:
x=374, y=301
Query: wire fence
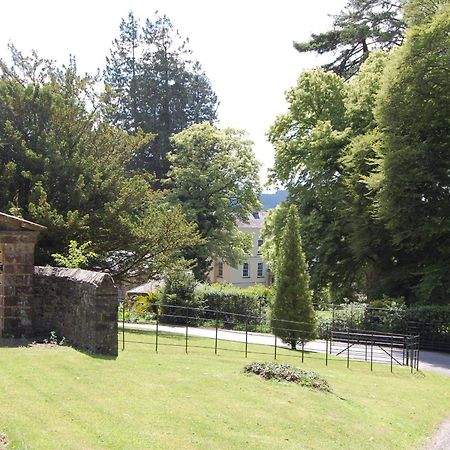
x=244, y=331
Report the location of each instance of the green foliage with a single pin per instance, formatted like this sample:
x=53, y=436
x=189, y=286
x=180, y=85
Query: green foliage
x=214, y=175
x=78, y=255
x=62, y=165
x=414, y=199
x=235, y=303
x=292, y=300
x=362, y=27
x=178, y=298
x=309, y=142
x=54, y=340
x=272, y=233
x=154, y=85
x=391, y=315
x=421, y=12
x=286, y=372
x=368, y=175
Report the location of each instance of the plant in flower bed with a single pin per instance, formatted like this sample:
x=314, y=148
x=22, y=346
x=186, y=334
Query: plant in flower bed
x=286, y=372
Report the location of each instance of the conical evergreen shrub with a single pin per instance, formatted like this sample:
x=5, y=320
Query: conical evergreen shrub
x=292, y=313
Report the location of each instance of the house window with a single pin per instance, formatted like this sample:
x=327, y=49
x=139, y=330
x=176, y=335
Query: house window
x=260, y=242
x=220, y=270
x=260, y=270
x=245, y=271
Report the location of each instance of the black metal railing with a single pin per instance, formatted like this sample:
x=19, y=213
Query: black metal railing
x=370, y=346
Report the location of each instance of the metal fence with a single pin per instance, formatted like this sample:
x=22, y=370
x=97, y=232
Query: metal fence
x=434, y=329
x=246, y=332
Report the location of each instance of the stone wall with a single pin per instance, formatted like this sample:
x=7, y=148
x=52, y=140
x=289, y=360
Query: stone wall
x=77, y=304
x=16, y=282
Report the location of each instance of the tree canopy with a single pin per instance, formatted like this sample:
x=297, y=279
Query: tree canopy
x=214, y=175
x=413, y=113
x=64, y=166
x=362, y=27
x=366, y=161
x=153, y=84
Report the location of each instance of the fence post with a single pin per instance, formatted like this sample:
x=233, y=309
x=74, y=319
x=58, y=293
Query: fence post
x=411, y=354
x=392, y=347
x=303, y=350
x=157, y=329
x=123, y=325
x=371, y=354
x=187, y=325
x=275, y=347
x=418, y=352
x=348, y=348
x=326, y=348
x=246, y=335
x=217, y=330
x=351, y=316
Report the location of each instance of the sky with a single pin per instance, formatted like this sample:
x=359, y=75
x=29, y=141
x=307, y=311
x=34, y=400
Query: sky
x=244, y=46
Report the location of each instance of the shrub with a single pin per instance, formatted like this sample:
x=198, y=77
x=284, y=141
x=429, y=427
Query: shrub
x=178, y=300
x=141, y=308
x=236, y=303
x=286, y=372
x=292, y=313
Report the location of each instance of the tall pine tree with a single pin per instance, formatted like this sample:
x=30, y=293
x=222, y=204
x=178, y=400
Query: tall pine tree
x=154, y=84
x=292, y=316
x=363, y=26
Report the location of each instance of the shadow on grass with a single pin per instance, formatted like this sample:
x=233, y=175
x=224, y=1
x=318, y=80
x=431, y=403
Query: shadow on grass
x=15, y=343
x=36, y=341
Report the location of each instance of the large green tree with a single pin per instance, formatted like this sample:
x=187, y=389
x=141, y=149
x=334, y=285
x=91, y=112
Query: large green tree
x=369, y=240
x=292, y=313
x=363, y=26
x=327, y=148
x=153, y=84
x=214, y=175
x=309, y=142
x=63, y=166
x=413, y=113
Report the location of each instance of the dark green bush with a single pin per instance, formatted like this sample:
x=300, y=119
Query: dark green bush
x=234, y=303
x=179, y=302
x=286, y=372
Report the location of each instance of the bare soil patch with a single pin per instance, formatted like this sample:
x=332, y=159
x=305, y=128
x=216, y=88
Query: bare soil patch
x=3, y=441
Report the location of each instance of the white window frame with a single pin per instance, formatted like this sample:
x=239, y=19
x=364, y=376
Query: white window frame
x=246, y=270
x=260, y=242
x=220, y=270
x=260, y=273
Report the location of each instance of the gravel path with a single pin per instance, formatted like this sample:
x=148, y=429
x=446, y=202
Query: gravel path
x=440, y=440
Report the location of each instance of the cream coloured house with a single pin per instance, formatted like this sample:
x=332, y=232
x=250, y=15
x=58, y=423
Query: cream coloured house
x=253, y=270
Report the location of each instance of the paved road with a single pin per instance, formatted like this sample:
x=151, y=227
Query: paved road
x=432, y=361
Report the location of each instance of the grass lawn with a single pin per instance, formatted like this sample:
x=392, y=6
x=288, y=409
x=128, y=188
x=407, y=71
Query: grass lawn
x=60, y=398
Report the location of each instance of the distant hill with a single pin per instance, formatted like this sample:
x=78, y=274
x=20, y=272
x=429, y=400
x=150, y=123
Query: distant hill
x=269, y=200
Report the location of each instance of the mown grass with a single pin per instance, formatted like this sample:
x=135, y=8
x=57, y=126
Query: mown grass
x=60, y=398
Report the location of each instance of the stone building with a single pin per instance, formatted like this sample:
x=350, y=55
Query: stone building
x=253, y=270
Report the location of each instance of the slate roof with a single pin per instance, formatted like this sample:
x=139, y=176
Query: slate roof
x=145, y=288
x=255, y=220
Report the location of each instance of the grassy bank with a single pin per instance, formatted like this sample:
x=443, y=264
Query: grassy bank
x=59, y=398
